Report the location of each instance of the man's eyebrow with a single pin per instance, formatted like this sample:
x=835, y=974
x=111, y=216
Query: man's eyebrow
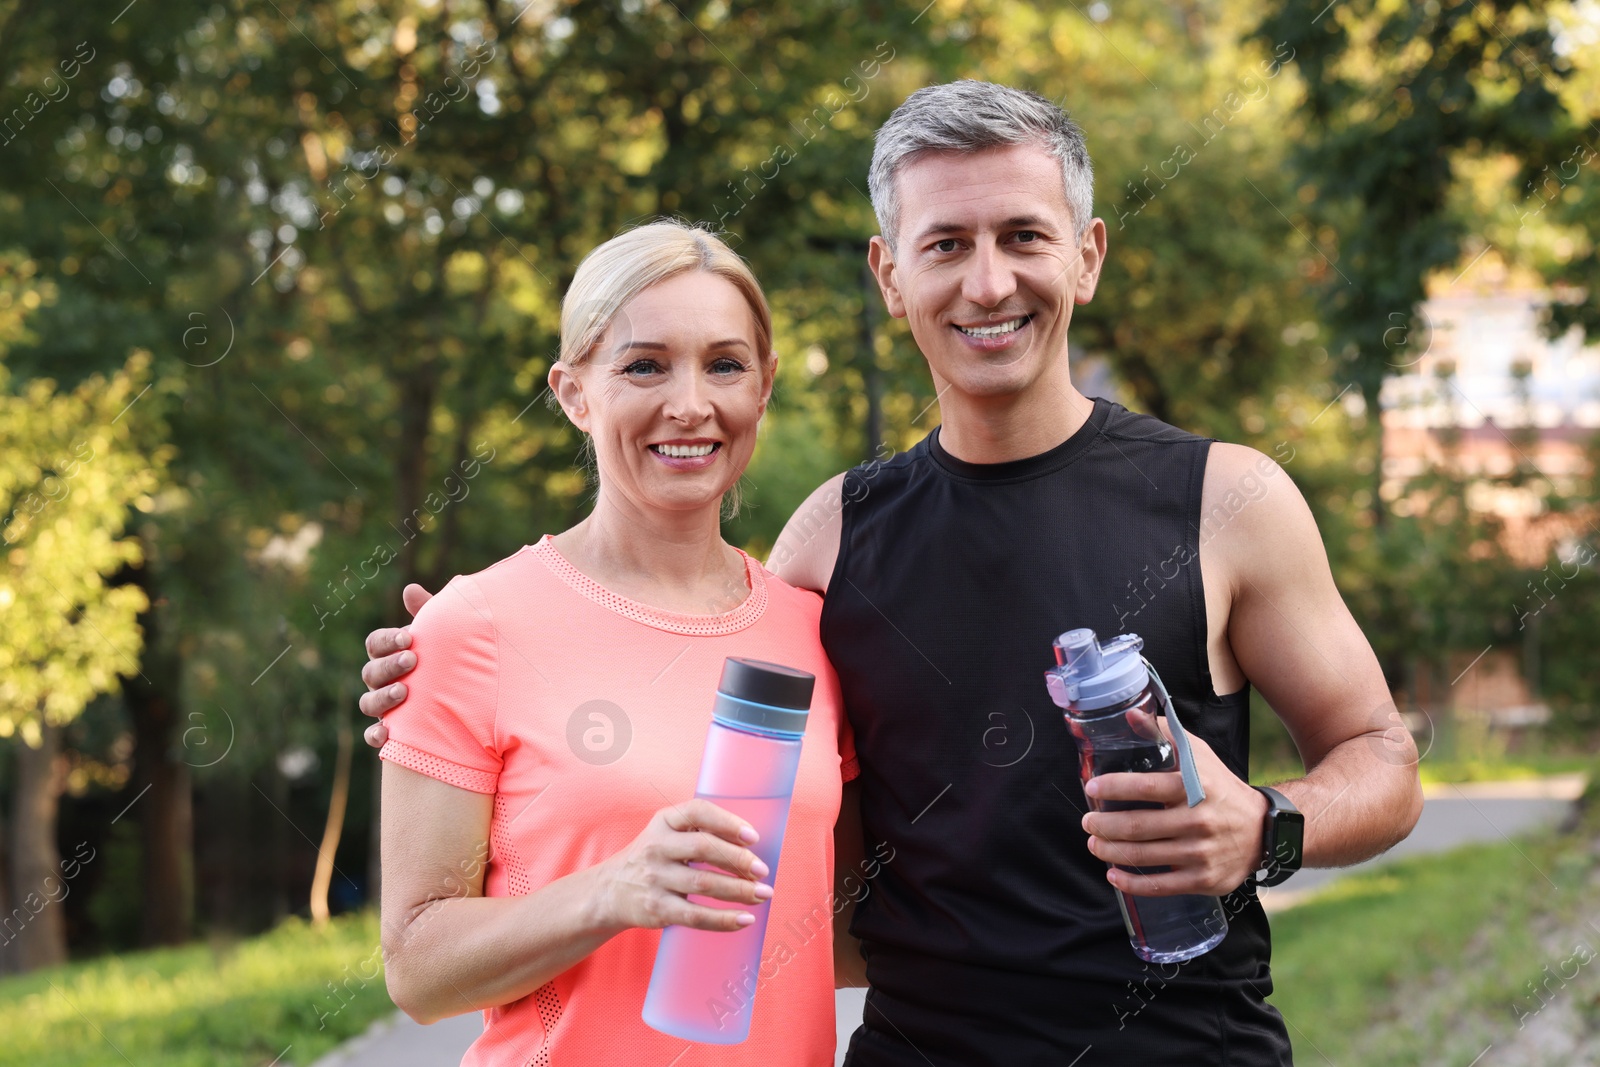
x=1015, y=222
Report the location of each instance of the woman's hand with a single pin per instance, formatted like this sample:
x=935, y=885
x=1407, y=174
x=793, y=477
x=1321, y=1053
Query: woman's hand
x=647, y=884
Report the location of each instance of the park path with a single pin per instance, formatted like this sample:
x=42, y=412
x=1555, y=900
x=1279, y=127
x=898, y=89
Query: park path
x=1454, y=815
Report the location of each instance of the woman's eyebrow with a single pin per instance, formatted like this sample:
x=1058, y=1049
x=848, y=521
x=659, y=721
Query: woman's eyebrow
x=658, y=346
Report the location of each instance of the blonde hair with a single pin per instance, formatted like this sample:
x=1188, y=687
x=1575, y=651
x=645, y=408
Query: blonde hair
x=631, y=262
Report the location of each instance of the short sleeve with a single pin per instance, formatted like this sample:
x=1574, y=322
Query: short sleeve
x=445, y=729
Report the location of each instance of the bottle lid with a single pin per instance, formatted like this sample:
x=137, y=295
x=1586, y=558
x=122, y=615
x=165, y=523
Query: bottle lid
x=766, y=696
x=1091, y=676
x=761, y=682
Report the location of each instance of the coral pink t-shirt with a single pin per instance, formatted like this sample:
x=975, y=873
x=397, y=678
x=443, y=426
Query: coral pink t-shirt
x=584, y=713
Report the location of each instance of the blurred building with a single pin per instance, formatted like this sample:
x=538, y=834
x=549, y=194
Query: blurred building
x=1482, y=391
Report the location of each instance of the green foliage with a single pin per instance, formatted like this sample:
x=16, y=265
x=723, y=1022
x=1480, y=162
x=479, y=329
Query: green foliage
x=297, y=992
x=1396, y=95
x=71, y=468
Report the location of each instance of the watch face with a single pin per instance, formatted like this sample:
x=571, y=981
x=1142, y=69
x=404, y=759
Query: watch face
x=1289, y=837
x=1286, y=834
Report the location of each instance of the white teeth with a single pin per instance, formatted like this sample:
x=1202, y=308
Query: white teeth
x=684, y=451
x=993, y=331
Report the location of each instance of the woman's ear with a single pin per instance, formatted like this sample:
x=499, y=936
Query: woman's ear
x=768, y=377
x=568, y=390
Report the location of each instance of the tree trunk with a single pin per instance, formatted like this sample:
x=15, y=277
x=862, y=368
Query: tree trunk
x=1370, y=394
x=335, y=825
x=280, y=845
x=375, y=839
x=7, y=956
x=36, y=883
x=872, y=378
x=160, y=794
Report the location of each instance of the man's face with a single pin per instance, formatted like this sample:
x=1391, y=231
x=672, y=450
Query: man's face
x=987, y=268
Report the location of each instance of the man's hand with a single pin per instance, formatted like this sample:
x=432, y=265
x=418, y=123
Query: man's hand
x=387, y=661
x=1212, y=848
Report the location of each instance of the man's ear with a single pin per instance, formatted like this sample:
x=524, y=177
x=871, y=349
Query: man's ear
x=1093, y=250
x=568, y=392
x=881, y=261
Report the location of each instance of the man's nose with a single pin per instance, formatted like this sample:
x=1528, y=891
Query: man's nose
x=989, y=279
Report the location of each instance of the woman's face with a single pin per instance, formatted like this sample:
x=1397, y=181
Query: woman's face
x=672, y=393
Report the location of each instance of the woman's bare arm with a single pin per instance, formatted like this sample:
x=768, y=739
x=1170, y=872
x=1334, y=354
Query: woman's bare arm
x=448, y=949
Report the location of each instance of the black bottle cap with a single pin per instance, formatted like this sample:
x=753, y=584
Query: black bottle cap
x=772, y=684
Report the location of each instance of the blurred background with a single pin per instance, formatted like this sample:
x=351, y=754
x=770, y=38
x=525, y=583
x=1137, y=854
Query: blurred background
x=279, y=286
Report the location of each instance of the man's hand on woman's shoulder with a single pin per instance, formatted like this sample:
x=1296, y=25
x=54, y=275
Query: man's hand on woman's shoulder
x=388, y=661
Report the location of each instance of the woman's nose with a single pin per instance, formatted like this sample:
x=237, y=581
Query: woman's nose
x=688, y=402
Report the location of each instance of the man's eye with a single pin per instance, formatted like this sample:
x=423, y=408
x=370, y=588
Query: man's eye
x=946, y=245
x=1027, y=236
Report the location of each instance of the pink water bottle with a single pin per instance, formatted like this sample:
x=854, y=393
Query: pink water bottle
x=704, y=983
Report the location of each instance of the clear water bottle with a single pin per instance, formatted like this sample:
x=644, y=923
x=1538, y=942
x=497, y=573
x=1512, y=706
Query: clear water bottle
x=1111, y=698
x=704, y=982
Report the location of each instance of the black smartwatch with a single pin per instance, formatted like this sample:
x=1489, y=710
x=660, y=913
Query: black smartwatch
x=1282, y=838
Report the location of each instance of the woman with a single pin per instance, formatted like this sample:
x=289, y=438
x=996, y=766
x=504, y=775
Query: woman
x=538, y=811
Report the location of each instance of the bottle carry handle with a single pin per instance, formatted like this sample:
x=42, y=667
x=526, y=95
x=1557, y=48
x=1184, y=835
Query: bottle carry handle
x=1192, y=789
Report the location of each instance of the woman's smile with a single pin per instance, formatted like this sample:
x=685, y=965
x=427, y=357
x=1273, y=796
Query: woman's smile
x=687, y=455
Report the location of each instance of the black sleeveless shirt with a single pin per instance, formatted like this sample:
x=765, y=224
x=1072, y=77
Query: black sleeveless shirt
x=991, y=934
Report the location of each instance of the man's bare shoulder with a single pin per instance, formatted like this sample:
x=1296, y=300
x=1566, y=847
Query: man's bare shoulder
x=808, y=547
x=1253, y=517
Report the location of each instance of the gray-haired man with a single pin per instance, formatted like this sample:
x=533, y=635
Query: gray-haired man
x=993, y=937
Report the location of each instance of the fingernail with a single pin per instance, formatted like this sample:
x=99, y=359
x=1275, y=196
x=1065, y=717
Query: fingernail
x=759, y=869
x=748, y=835
x=404, y=640
x=1091, y=789
x=764, y=891
x=745, y=918
x=408, y=660
x=397, y=691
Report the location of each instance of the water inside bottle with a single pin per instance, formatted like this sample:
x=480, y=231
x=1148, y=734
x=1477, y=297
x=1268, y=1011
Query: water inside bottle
x=1161, y=929
x=704, y=987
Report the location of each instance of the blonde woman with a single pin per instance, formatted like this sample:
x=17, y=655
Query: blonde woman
x=538, y=813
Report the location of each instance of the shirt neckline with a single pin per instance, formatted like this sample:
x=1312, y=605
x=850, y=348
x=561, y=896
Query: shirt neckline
x=749, y=610
x=1031, y=466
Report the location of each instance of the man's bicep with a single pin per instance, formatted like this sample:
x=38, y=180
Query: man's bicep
x=1293, y=635
x=435, y=843
x=805, y=551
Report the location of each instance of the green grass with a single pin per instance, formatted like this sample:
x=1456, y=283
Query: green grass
x=1435, y=770
x=1503, y=770
x=235, y=1005
x=1425, y=955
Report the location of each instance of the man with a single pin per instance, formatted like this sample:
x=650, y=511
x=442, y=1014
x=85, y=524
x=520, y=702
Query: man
x=991, y=937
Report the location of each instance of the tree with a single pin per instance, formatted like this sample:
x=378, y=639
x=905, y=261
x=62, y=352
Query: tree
x=1397, y=99
x=71, y=468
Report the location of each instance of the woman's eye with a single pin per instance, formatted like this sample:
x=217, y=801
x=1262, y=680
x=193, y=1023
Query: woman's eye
x=640, y=368
x=727, y=366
